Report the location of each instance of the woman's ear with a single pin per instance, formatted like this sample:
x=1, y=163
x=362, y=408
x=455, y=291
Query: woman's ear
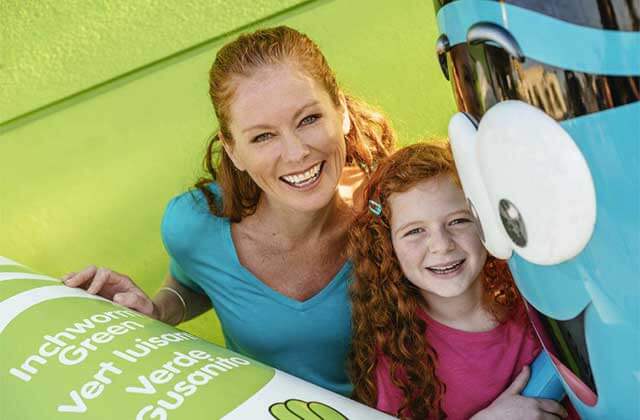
x=228, y=148
x=346, y=120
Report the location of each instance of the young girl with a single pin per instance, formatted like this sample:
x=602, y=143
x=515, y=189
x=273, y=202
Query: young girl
x=439, y=329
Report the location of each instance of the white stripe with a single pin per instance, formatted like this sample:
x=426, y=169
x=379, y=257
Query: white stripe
x=26, y=276
x=7, y=261
x=12, y=307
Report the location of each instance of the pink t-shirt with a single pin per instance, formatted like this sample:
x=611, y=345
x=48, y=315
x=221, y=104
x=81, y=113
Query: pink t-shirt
x=475, y=366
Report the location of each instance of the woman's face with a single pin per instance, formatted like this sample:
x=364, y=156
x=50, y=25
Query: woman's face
x=289, y=137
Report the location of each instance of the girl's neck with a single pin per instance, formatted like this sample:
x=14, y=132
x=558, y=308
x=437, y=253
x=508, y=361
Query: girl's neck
x=465, y=312
x=290, y=227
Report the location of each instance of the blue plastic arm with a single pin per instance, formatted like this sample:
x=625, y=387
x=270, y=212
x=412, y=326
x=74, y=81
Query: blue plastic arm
x=544, y=381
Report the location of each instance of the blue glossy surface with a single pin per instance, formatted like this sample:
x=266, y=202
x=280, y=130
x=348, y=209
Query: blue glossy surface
x=545, y=39
x=544, y=381
x=603, y=279
x=610, y=142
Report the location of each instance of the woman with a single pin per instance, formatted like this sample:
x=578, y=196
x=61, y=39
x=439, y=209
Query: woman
x=263, y=237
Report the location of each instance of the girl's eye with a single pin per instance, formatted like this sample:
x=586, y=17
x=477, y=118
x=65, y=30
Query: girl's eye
x=413, y=231
x=460, y=220
x=309, y=119
x=261, y=137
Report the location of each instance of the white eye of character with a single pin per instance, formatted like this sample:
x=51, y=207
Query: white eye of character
x=538, y=183
x=462, y=132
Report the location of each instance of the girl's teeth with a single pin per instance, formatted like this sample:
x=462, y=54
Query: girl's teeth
x=447, y=268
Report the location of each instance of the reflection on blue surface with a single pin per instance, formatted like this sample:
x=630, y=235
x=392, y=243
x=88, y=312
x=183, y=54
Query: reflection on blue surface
x=546, y=39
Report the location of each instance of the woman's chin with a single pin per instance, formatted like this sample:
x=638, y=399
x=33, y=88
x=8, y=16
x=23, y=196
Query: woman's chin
x=312, y=200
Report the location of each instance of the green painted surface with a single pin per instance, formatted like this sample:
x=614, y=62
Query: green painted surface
x=9, y=288
x=51, y=49
x=61, y=359
x=86, y=181
x=14, y=269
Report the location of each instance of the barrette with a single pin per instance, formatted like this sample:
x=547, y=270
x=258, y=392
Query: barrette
x=375, y=207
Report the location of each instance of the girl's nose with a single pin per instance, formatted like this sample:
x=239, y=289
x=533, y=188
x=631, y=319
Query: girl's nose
x=440, y=241
x=294, y=148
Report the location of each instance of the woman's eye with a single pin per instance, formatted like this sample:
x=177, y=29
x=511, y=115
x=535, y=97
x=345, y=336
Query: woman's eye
x=413, y=231
x=309, y=119
x=261, y=137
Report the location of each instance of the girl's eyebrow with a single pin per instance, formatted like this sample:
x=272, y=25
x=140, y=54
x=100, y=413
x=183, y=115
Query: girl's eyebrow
x=407, y=224
x=411, y=222
x=465, y=211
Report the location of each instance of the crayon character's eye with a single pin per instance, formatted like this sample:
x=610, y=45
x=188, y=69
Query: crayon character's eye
x=537, y=184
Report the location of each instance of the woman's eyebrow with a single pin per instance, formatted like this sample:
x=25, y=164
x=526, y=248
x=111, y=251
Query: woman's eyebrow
x=254, y=127
x=303, y=108
x=295, y=117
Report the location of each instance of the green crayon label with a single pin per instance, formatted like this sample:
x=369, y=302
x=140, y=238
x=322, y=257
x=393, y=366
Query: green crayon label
x=67, y=355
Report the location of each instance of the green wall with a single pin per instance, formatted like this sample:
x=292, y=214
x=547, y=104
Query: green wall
x=104, y=112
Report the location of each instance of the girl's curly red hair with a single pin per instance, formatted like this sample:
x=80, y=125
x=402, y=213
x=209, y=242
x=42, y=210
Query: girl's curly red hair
x=384, y=319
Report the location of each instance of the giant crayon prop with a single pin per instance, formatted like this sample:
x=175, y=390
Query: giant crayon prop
x=66, y=354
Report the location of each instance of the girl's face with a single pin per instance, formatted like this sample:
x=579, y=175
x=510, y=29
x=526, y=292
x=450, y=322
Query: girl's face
x=435, y=239
x=289, y=136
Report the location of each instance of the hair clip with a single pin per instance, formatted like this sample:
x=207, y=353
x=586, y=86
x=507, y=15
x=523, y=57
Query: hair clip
x=375, y=207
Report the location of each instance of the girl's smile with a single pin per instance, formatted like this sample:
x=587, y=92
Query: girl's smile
x=435, y=239
x=448, y=269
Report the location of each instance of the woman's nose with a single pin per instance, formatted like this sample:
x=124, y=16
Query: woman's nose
x=294, y=148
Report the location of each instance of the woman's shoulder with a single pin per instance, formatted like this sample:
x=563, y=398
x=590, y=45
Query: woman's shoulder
x=192, y=202
x=187, y=217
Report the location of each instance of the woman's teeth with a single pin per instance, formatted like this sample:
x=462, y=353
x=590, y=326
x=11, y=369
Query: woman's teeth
x=304, y=178
x=446, y=269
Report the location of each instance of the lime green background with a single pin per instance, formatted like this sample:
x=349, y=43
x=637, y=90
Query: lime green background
x=52, y=49
x=104, y=112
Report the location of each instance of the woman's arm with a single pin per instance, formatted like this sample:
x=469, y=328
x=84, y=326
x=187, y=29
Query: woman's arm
x=172, y=304
x=176, y=303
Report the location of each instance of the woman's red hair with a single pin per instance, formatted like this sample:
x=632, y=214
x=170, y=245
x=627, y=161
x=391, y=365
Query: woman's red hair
x=370, y=138
x=385, y=303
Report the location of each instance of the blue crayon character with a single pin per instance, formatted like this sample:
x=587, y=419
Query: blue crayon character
x=547, y=143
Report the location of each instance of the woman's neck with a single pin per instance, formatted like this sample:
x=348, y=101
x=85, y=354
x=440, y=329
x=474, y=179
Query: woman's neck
x=291, y=227
x=465, y=312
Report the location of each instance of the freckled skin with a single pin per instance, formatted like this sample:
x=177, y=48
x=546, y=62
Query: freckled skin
x=275, y=133
x=283, y=122
x=431, y=225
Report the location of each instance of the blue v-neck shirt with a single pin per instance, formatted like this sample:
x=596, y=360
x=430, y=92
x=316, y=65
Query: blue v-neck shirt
x=308, y=339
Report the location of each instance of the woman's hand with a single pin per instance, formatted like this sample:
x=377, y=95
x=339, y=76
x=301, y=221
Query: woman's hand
x=511, y=405
x=113, y=286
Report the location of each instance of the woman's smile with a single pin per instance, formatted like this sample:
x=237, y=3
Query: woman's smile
x=305, y=179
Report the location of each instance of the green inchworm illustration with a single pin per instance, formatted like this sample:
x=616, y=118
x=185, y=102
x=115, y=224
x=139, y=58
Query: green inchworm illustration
x=300, y=410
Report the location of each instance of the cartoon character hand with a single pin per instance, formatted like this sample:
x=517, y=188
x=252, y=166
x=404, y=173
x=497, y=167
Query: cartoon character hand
x=297, y=409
